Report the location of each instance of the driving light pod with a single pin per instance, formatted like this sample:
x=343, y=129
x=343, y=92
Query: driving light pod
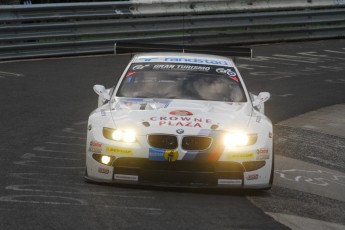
x=105, y=160
x=119, y=135
x=239, y=139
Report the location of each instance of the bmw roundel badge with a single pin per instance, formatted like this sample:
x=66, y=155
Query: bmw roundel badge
x=180, y=131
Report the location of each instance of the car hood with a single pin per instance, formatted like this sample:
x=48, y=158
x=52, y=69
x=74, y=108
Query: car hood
x=162, y=115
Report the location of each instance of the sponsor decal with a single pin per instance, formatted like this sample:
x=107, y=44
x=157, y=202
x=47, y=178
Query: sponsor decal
x=191, y=155
x=182, y=67
x=130, y=74
x=262, y=151
x=95, y=144
x=213, y=153
x=148, y=59
x=116, y=150
x=182, y=124
x=164, y=67
x=136, y=67
x=95, y=147
x=263, y=157
x=234, y=78
x=125, y=177
x=156, y=154
x=240, y=156
x=181, y=121
x=187, y=60
x=170, y=155
x=181, y=113
x=262, y=154
x=230, y=181
x=224, y=71
x=103, y=170
x=232, y=74
x=252, y=177
x=193, y=67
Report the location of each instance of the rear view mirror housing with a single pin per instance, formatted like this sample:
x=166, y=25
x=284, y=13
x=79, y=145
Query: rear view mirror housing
x=103, y=94
x=259, y=101
x=261, y=98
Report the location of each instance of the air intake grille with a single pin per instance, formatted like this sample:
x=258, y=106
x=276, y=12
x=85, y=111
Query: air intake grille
x=163, y=141
x=196, y=142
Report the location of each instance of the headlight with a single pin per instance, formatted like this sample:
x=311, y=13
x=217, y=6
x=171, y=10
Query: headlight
x=239, y=139
x=119, y=135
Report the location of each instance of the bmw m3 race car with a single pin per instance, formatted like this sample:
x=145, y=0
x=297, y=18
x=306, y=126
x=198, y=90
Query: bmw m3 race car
x=180, y=119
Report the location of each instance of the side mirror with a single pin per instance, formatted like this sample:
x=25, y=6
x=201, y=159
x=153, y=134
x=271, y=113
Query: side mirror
x=102, y=92
x=259, y=101
x=261, y=98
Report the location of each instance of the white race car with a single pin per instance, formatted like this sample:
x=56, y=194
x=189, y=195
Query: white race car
x=180, y=119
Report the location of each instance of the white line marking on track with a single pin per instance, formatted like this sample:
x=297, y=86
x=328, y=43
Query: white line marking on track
x=43, y=149
x=17, y=199
x=32, y=164
x=41, y=177
x=39, y=199
x=247, y=66
x=8, y=74
x=324, y=57
x=80, y=123
x=32, y=155
x=333, y=68
x=278, y=78
x=315, y=177
x=291, y=60
x=312, y=60
x=333, y=51
x=70, y=137
x=341, y=81
x=61, y=143
x=59, y=189
x=267, y=59
x=127, y=207
x=325, y=161
x=71, y=130
x=284, y=95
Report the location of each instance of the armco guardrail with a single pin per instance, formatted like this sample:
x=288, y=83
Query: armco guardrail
x=92, y=28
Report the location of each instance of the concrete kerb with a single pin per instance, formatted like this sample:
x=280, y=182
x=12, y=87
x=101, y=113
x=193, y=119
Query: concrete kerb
x=329, y=120
x=318, y=137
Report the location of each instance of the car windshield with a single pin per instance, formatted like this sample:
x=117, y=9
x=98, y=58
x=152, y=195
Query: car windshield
x=182, y=81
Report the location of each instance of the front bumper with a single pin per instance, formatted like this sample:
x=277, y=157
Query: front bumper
x=203, y=174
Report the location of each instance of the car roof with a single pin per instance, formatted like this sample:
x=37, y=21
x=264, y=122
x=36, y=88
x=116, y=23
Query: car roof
x=186, y=58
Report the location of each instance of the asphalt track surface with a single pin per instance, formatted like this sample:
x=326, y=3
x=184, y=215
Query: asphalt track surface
x=44, y=106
